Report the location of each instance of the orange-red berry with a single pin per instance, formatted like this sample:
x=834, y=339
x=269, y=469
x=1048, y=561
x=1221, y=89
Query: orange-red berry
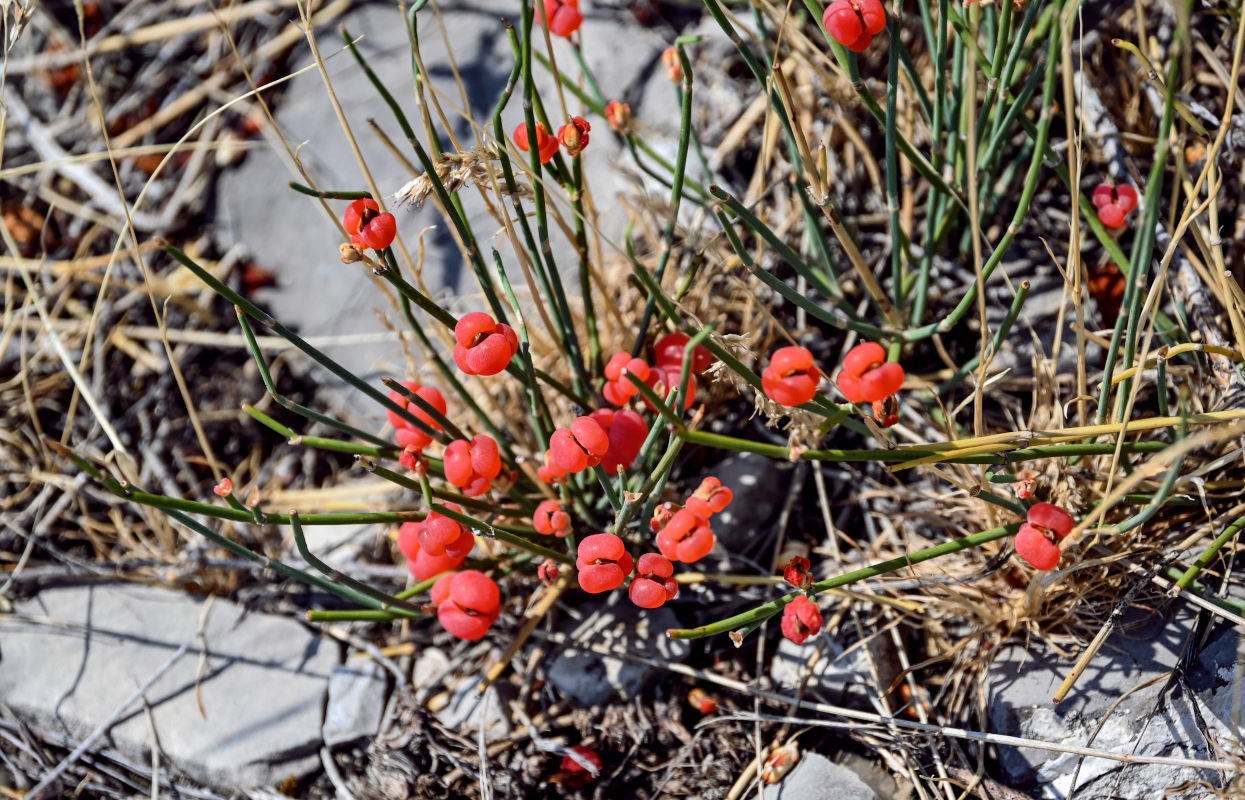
x=406, y=434
x=551, y=520
x=791, y=378
x=574, y=136
x=687, y=537
x=670, y=349
x=467, y=602
x=472, y=465
x=627, y=432
x=603, y=563
x=618, y=389
x=801, y=619
x=1037, y=541
x=798, y=572
x=654, y=583
x=619, y=116
x=564, y=17
x=867, y=376
x=546, y=143
x=483, y=345
x=854, y=23
x=579, y=447
x=1114, y=203
x=709, y=498
x=367, y=226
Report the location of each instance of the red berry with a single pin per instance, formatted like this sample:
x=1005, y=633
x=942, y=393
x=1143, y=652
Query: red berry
x=791, y=378
x=1127, y=197
x=619, y=116
x=1104, y=195
x=484, y=346
x=546, y=144
x=627, y=432
x=1033, y=546
x=842, y=22
x=367, y=226
x=467, y=603
x=618, y=389
x=670, y=60
x=670, y=348
x=709, y=498
x=574, y=135
x=573, y=774
x=662, y=515
x=603, y=563
x=873, y=15
x=439, y=535
x=472, y=466
x=665, y=378
x=687, y=537
x=1112, y=216
x=564, y=17
x=701, y=701
x=550, y=471
x=547, y=571
x=407, y=435
x=1051, y=517
x=798, y=572
x=551, y=520
x=801, y=619
x=867, y=376
x=424, y=565
x=653, y=583
x=580, y=447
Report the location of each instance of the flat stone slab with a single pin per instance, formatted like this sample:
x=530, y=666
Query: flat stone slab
x=1152, y=718
x=815, y=777
x=71, y=657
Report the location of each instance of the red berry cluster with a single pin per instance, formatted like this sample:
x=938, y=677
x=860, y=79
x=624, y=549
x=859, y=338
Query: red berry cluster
x=662, y=377
x=483, y=346
x=1114, y=203
x=574, y=136
x=436, y=544
x=854, y=23
x=1038, y=539
x=467, y=602
x=618, y=115
x=367, y=226
x=611, y=439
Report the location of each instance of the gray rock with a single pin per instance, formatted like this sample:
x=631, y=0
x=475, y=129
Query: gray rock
x=356, y=701
x=815, y=777
x=289, y=234
x=1148, y=721
x=468, y=709
x=71, y=656
x=592, y=679
x=759, y=485
x=840, y=677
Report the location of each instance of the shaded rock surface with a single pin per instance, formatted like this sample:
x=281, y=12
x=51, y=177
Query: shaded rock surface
x=592, y=679
x=71, y=657
x=1155, y=716
x=815, y=777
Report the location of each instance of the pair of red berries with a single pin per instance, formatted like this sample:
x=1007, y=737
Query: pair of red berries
x=551, y=519
x=684, y=534
x=1114, y=203
x=854, y=23
x=483, y=346
x=1038, y=539
x=573, y=136
x=367, y=226
x=611, y=439
x=867, y=377
x=604, y=563
x=434, y=545
x=467, y=602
